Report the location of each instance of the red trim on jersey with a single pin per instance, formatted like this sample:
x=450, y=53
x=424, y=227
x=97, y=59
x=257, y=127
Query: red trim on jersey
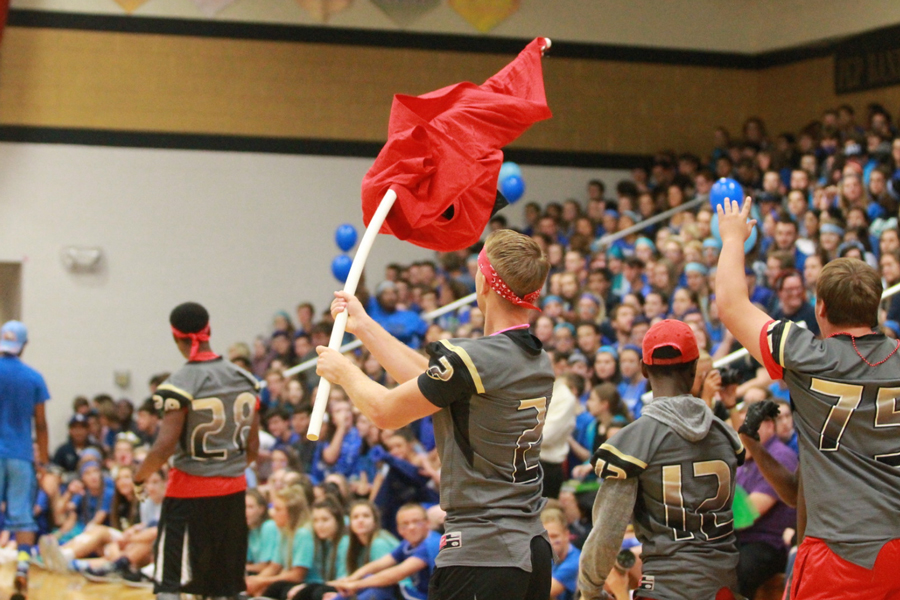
x=819, y=573
x=775, y=370
x=185, y=485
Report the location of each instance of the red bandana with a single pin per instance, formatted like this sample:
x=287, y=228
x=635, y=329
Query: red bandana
x=196, y=338
x=498, y=285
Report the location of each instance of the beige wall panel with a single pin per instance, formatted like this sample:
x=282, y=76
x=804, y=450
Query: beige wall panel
x=61, y=78
x=793, y=95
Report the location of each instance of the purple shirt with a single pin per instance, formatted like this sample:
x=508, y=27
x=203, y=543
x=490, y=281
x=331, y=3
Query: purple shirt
x=770, y=527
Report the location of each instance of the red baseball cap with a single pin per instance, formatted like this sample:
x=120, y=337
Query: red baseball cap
x=673, y=334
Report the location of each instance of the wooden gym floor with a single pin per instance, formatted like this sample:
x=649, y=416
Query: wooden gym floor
x=44, y=585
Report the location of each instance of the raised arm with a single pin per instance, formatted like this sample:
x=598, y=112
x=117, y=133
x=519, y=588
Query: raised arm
x=399, y=360
x=783, y=481
x=740, y=316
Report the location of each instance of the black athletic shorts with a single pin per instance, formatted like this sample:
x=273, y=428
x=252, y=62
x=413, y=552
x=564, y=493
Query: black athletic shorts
x=496, y=583
x=201, y=546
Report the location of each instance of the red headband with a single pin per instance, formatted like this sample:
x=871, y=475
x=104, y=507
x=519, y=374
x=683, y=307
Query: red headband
x=196, y=338
x=498, y=285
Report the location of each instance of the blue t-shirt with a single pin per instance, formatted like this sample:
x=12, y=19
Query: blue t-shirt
x=87, y=505
x=566, y=572
x=346, y=462
x=416, y=586
x=21, y=389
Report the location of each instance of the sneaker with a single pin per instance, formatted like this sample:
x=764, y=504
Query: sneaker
x=52, y=554
x=105, y=573
x=136, y=579
x=38, y=561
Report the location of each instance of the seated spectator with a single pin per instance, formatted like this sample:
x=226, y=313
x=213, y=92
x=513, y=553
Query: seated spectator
x=279, y=426
x=410, y=565
x=405, y=325
x=292, y=556
x=124, y=547
x=565, y=565
x=68, y=454
x=263, y=539
x=328, y=561
x=763, y=552
x=147, y=422
x=406, y=477
x=559, y=422
x=366, y=541
x=87, y=500
x=304, y=447
x=633, y=384
x=793, y=305
x=338, y=448
x=608, y=412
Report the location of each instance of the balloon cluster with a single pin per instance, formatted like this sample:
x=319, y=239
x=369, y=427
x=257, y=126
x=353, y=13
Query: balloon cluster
x=345, y=238
x=510, y=182
x=725, y=190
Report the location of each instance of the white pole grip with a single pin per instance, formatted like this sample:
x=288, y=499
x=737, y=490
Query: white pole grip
x=340, y=322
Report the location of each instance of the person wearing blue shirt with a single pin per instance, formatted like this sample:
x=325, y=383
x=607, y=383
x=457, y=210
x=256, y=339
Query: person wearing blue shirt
x=339, y=449
x=565, y=567
x=405, y=325
x=410, y=565
x=23, y=394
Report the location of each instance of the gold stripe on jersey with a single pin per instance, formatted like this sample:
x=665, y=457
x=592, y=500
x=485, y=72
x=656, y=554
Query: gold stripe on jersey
x=171, y=388
x=623, y=456
x=784, y=336
x=467, y=360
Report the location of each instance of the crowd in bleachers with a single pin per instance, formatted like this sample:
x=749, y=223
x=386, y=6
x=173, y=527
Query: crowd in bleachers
x=357, y=512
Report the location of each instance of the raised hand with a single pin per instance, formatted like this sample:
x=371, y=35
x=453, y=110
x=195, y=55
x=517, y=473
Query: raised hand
x=756, y=414
x=735, y=224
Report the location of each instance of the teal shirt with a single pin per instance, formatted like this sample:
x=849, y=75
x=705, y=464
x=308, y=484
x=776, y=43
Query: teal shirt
x=316, y=573
x=300, y=553
x=262, y=543
x=384, y=543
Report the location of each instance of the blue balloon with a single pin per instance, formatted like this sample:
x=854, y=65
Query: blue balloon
x=748, y=244
x=509, y=168
x=340, y=267
x=725, y=189
x=345, y=236
x=512, y=188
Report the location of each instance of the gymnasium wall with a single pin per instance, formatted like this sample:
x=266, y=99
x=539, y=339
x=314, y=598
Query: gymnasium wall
x=244, y=233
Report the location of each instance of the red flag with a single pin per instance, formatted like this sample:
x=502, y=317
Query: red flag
x=443, y=155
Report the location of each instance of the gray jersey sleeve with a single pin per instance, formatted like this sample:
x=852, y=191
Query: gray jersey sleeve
x=451, y=375
x=628, y=452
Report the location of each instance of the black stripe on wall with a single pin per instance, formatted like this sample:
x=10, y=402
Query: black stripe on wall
x=301, y=146
x=405, y=39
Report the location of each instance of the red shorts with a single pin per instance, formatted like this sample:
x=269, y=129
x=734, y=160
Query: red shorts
x=820, y=574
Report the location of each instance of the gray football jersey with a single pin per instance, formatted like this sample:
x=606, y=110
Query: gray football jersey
x=493, y=393
x=682, y=515
x=221, y=401
x=847, y=417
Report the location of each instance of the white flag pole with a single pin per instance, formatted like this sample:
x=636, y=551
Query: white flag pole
x=340, y=323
